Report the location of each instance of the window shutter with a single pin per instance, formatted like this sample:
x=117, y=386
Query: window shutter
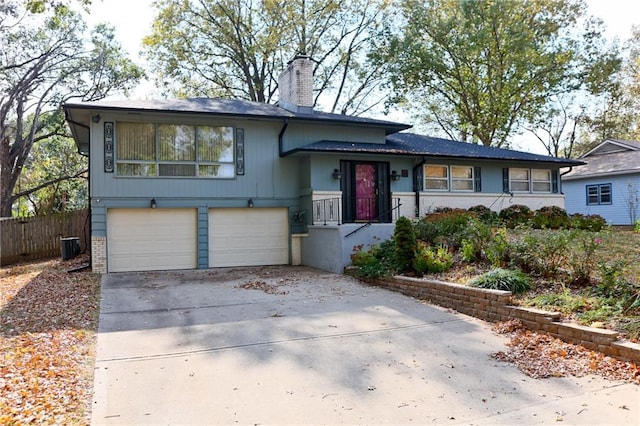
x=419, y=181
x=555, y=182
x=505, y=180
x=477, y=180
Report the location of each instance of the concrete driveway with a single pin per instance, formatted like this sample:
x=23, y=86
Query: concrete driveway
x=293, y=345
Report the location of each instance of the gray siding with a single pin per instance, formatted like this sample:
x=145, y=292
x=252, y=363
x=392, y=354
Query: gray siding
x=266, y=174
x=300, y=134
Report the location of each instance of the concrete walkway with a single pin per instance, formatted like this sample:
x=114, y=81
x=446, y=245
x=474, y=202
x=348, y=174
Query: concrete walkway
x=292, y=345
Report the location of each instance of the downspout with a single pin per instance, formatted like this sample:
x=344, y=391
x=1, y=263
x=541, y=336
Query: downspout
x=285, y=124
x=416, y=187
x=560, y=179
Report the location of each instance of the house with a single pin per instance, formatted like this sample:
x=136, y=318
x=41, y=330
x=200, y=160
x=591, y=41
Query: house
x=609, y=183
x=201, y=183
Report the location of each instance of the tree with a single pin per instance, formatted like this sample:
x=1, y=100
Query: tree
x=53, y=179
x=227, y=48
x=481, y=70
x=45, y=61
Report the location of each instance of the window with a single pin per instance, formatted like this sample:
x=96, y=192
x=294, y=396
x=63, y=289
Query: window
x=176, y=150
x=541, y=180
x=436, y=178
x=519, y=180
x=461, y=178
x=445, y=178
x=599, y=194
x=530, y=180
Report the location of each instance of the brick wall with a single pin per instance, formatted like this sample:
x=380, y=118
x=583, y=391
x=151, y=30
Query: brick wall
x=496, y=306
x=99, y=255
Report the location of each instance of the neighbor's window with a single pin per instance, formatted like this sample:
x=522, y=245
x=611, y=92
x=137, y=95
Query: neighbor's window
x=436, y=178
x=147, y=149
x=599, y=194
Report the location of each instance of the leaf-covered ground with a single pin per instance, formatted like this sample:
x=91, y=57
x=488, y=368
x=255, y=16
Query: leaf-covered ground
x=48, y=322
x=540, y=355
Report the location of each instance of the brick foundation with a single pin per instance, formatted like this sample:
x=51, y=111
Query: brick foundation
x=99, y=255
x=497, y=306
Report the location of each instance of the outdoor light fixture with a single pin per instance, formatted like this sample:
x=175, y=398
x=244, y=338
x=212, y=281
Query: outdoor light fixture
x=250, y=203
x=153, y=203
x=336, y=174
x=96, y=118
x=395, y=175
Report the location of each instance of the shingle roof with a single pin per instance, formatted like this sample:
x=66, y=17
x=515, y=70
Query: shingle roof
x=231, y=107
x=610, y=157
x=617, y=163
x=419, y=145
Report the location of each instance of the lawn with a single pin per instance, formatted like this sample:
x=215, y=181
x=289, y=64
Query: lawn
x=48, y=323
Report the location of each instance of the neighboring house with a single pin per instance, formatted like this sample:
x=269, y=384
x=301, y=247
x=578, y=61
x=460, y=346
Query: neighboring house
x=609, y=183
x=200, y=183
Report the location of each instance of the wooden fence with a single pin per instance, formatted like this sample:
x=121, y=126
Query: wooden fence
x=31, y=238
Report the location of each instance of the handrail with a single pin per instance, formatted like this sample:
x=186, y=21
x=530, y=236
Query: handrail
x=369, y=222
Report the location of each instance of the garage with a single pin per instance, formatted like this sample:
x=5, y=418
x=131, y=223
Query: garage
x=248, y=237
x=151, y=239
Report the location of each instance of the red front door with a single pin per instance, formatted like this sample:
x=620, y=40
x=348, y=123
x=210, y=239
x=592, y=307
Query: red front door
x=366, y=191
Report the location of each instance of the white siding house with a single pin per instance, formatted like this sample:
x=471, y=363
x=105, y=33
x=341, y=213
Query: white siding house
x=609, y=183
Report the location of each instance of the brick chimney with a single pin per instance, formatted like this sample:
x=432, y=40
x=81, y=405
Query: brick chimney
x=296, y=85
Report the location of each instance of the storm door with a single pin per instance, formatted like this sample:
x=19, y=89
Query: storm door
x=365, y=191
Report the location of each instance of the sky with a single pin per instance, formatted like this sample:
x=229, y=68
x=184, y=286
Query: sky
x=132, y=20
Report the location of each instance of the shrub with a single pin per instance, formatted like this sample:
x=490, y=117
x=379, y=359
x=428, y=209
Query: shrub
x=503, y=279
x=444, y=228
x=516, y=214
x=541, y=253
x=551, y=217
x=591, y=222
x=432, y=260
x=468, y=251
x=405, y=244
x=497, y=247
x=473, y=238
x=636, y=227
x=582, y=259
x=378, y=261
x=485, y=214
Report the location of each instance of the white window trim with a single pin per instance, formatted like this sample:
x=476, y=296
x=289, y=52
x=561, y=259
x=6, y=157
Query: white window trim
x=534, y=181
x=449, y=179
x=472, y=180
x=530, y=181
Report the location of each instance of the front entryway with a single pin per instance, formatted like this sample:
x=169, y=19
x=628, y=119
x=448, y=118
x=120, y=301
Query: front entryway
x=366, y=194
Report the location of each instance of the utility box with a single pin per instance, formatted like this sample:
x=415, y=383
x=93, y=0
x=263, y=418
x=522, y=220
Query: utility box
x=69, y=247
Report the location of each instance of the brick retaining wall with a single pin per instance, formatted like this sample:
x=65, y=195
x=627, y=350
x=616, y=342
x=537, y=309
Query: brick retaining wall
x=496, y=306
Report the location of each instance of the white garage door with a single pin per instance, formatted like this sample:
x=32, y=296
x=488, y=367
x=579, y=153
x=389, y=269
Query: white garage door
x=248, y=237
x=151, y=239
